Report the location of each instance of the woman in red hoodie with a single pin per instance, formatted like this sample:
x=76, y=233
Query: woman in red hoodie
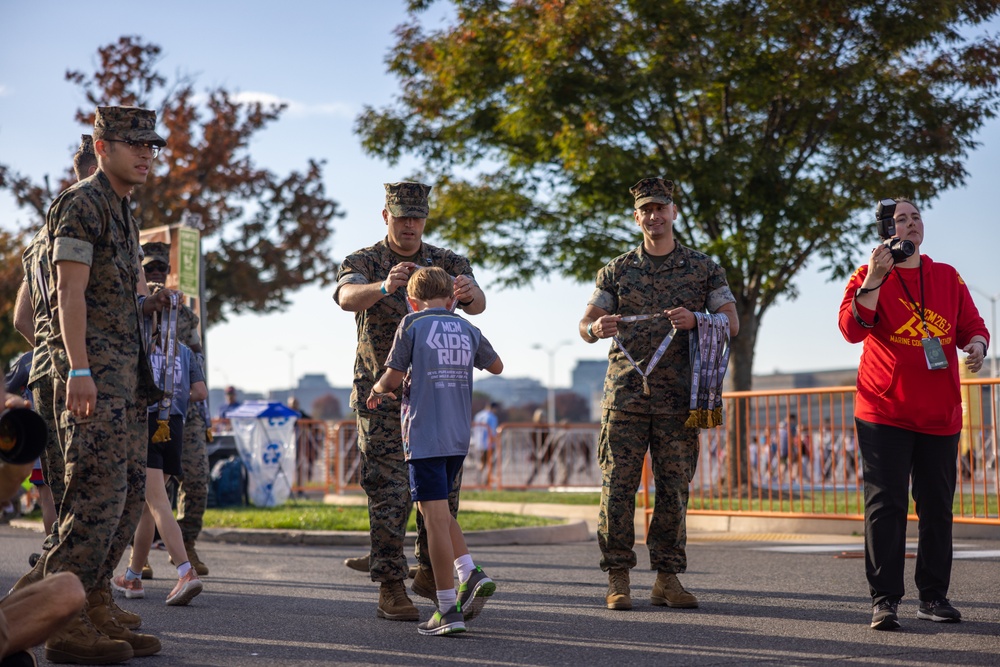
x=913, y=317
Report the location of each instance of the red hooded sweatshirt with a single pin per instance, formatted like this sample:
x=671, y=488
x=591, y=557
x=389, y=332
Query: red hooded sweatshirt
x=895, y=386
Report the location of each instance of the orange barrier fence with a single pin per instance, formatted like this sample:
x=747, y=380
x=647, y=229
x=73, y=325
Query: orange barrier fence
x=798, y=457
x=790, y=453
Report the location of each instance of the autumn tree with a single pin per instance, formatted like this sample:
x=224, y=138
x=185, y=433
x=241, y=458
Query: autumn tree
x=781, y=121
x=266, y=234
x=11, y=274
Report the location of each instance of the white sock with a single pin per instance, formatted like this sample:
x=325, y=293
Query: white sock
x=132, y=576
x=465, y=567
x=446, y=599
x=183, y=568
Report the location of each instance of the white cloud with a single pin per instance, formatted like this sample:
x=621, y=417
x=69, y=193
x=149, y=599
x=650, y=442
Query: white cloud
x=296, y=108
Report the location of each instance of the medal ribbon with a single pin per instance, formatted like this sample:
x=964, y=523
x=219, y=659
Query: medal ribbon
x=656, y=355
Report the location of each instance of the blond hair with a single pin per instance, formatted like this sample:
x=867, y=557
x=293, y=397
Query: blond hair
x=430, y=282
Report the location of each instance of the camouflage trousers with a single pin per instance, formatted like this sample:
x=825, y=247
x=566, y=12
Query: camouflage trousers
x=105, y=475
x=673, y=449
x=52, y=460
x=385, y=477
x=192, y=490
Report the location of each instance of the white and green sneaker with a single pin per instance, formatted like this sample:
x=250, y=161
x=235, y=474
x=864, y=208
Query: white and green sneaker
x=473, y=593
x=448, y=623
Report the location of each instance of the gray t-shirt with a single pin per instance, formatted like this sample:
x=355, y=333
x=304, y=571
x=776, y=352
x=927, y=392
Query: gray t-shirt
x=442, y=348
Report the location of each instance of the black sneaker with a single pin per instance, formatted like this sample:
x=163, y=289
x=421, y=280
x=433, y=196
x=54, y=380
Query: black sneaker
x=449, y=623
x=939, y=611
x=473, y=593
x=884, y=615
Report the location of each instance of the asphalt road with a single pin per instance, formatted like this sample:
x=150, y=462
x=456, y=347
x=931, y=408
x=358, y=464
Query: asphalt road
x=760, y=605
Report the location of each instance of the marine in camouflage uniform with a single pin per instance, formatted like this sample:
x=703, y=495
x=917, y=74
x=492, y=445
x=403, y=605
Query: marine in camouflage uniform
x=35, y=295
x=659, y=277
x=192, y=487
x=37, y=277
x=92, y=241
x=371, y=283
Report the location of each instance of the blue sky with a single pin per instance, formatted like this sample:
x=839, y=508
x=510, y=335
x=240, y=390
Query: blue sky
x=326, y=59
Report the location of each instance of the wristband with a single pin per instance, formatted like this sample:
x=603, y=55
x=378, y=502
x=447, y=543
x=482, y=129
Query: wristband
x=466, y=303
x=590, y=331
x=381, y=288
x=79, y=373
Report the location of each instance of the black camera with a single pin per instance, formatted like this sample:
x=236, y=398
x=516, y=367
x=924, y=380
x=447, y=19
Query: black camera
x=23, y=435
x=900, y=249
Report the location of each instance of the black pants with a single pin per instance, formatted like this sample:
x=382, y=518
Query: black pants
x=891, y=458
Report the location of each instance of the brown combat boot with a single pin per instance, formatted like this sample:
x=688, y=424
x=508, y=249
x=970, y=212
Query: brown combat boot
x=423, y=584
x=200, y=568
x=147, y=571
x=195, y=561
x=80, y=643
x=128, y=619
x=394, y=604
x=360, y=564
x=99, y=611
x=667, y=591
x=619, y=596
x=34, y=575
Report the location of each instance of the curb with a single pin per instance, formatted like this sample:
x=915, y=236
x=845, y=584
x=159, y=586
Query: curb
x=558, y=534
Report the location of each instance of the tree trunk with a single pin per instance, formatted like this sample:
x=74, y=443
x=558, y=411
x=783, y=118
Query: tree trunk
x=737, y=419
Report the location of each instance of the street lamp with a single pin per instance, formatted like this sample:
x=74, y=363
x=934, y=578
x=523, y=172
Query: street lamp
x=291, y=366
x=551, y=351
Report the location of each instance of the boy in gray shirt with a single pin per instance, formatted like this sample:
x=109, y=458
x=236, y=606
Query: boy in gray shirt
x=440, y=349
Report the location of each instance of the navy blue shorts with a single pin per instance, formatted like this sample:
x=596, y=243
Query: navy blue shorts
x=432, y=479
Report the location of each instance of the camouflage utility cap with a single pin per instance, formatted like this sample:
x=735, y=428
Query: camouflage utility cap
x=86, y=145
x=652, y=190
x=407, y=200
x=130, y=123
x=155, y=251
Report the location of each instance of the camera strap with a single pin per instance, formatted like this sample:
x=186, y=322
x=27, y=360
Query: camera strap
x=919, y=307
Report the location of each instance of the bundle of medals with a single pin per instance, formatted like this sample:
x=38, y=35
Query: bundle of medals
x=709, y=352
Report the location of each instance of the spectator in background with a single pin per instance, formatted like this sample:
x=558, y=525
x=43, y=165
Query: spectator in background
x=230, y=404
x=484, y=435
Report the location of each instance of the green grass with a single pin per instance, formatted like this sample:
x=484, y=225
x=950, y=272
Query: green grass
x=312, y=515
x=843, y=504
x=560, y=498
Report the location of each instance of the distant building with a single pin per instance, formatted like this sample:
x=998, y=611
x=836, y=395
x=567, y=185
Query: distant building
x=511, y=392
x=588, y=381
x=312, y=386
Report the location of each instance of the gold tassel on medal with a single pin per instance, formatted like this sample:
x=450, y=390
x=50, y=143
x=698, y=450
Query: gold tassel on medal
x=162, y=431
x=208, y=435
